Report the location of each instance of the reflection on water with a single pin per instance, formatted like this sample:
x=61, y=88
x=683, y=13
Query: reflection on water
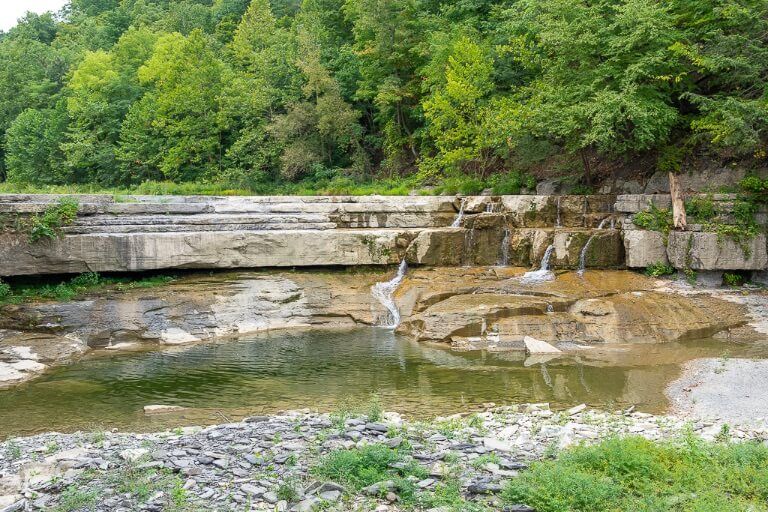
x=319, y=369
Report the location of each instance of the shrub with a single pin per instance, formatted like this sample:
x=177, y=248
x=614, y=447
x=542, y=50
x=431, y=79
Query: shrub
x=700, y=209
x=654, y=219
x=634, y=473
x=659, y=269
x=5, y=290
x=511, y=183
x=362, y=467
x=48, y=224
x=732, y=279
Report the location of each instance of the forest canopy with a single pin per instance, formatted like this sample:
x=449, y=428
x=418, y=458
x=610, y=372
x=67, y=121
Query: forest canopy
x=256, y=93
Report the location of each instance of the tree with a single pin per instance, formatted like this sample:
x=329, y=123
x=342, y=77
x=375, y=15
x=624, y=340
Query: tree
x=389, y=35
x=32, y=146
x=31, y=76
x=456, y=110
x=184, y=79
x=322, y=128
x=102, y=89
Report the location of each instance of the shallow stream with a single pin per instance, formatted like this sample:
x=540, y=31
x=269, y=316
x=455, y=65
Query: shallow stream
x=328, y=370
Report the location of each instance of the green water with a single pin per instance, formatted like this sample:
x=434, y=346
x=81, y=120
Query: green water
x=325, y=369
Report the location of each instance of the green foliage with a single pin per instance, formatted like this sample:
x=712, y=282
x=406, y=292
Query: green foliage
x=362, y=467
x=637, y=474
x=700, y=209
x=733, y=279
x=264, y=95
x=32, y=146
x=73, y=498
x=5, y=291
x=48, y=224
x=659, y=269
x=654, y=219
x=77, y=286
x=755, y=188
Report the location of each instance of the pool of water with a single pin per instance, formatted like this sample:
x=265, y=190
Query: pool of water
x=325, y=370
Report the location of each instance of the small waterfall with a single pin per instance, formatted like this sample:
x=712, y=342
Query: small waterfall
x=504, y=261
x=583, y=255
x=383, y=292
x=460, y=216
x=543, y=274
x=557, y=221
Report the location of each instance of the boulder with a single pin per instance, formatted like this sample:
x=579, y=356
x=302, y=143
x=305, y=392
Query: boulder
x=709, y=251
x=644, y=248
x=534, y=346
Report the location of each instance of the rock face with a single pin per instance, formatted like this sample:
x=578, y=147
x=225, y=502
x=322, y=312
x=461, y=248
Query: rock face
x=477, y=309
x=152, y=233
x=200, y=308
x=696, y=248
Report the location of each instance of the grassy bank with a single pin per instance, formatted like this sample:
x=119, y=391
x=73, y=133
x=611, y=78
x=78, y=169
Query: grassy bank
x=73, y=288
x=634, y=474
x=619, y=475
x=509, y=183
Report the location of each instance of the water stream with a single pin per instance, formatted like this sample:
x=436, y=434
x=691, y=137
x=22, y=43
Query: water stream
x=504, y=260
x=322, y=369
x=543, y=274
x=583, y=254
x=457, y=221
x=384, y=293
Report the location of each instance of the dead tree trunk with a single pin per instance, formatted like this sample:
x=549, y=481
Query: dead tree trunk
x=678, y=206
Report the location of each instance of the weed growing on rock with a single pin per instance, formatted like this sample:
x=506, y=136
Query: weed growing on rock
x=5, y=290
x=363, y=467
x=79, y=285
x=732, y=279
x=73, y=498
x=655, y=219
x=49, y=223
x=659, y=269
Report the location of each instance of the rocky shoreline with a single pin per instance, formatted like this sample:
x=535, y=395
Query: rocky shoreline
x=286, y=462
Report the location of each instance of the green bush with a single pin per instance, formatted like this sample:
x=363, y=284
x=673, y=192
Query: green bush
x=732, y=279
x=633, y=473
x=48, y=224
x=511, y=183
x=659, y=269
x=756, y=187
x=5, y=290
x=654, y=219
x=700, y=209
x=362, y=467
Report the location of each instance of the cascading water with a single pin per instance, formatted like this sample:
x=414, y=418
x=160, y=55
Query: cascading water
x=504, y=261
x=583, y=255
x=543, y=274
x=557, y=221
x=460, y=216
x=383, y=292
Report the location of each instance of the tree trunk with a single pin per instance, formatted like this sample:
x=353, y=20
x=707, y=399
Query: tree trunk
x=678, y=206
x=587, y=167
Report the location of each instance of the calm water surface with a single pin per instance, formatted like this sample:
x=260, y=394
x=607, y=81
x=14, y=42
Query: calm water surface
x=323, y=369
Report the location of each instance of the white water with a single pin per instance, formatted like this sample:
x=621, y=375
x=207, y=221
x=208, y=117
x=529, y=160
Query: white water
x=383, y=292
x=460, y=216
x=557, y=222
x=543, y=274
x=504, y=261
x=583, y=255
